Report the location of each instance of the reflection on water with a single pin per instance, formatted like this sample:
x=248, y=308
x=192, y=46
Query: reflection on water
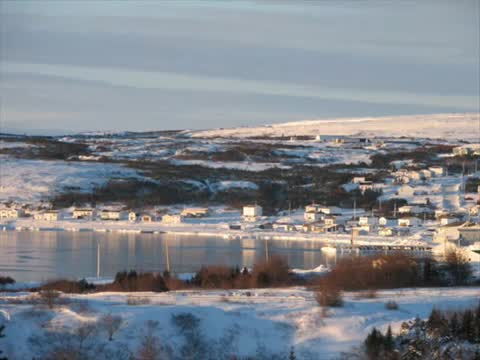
x=49, y=254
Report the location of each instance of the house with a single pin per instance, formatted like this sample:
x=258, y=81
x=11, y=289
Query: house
x=385, y=231
x=172, y=219
x=384, y=221
x=49, y=215
x=425, y=174
x=368, y=220
x=110, y=215
x=408, y=222
x=312, y=216
x=469, y=233
x=9, y=213
x=358, y=179
x=252, y=212
x=146, y=218
x=449, y=219
x=414, y=175
x=365, y=185
x=406, y=209
x=436, y=170
x=330, y=220
x=195, y=212
x=132, y=216
x=469, y=149
x=405, y=191
x=82, y=213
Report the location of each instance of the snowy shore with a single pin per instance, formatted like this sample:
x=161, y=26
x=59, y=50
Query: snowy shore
x=266, y=320
x=210, y=230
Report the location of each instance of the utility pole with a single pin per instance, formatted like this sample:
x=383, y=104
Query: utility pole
x=167, y=256
x=354, y=209
x=394, y=209
x=98, y=258
x=266, y=250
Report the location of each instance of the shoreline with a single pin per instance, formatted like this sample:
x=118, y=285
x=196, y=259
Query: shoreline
x=209, y=230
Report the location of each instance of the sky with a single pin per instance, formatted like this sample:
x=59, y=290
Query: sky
x=68, y=66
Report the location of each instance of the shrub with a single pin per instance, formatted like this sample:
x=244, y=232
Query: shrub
x=391, y=305
x=329, y=296
x=49, y=297
x=274, y=272
x=111, y=324
x=133, y=281
x=457, y=266
x=137, y=300
x=68, y=286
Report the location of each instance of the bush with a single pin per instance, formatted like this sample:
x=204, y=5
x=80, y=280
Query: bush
x=381, y=272
x=391, y=305
x=274, y=272
x=329, y=296
x=111, y=324
x=457, y=267
x=49, y=297
x=133, y=281
x=69, y=286
x=137, y=300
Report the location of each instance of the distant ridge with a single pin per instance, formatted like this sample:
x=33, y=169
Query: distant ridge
x=464, y=126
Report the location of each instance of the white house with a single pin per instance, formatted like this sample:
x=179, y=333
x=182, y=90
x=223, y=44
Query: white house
x=82, y=213
x=449, y=219
x=195, y=212
x=132, y=216
x=358, y=179
x=311, y=216
x=368, y=220
x=365, y=185
x=110, y=215
x=9, y=213
x=408, y=222
x=49, y=215
x=436, y=170
x=385, y=231
x=405, y=191
x=172, y=219
x=425, y=174
x=405, y=209
x=252, y=212
x=414, y=175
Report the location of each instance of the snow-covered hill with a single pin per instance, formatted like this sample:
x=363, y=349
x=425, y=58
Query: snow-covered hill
x=444, y=126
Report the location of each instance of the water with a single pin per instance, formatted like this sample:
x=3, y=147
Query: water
x=36, y=256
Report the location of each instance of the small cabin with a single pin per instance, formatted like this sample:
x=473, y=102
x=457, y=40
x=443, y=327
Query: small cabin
x=408, y=222
x=195, y=212
x=172, y=219
x=82, y=213
x=132, y=216
x=146, y=218
x=49, y=215
x=9, y=213
x=252, y=212
x=110, y=215
x=436, y=170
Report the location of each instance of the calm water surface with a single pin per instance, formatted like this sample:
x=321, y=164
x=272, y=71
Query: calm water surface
x=33, y=256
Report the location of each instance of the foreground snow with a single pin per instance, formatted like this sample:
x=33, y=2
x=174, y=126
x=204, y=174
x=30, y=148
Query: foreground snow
x=267, y=321
x=444, y=126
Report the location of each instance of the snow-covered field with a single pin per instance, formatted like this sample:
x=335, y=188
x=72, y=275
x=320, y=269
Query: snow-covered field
x=29, y=181
x=238, y=322
x=440, y=126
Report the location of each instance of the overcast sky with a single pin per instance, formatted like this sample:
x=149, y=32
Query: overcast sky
x=129, y=65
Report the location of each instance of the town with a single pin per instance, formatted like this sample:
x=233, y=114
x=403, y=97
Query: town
x=415, y=207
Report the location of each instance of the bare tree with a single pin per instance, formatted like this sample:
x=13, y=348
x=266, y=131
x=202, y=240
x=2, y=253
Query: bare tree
x=111, y=324
x=49, y=296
